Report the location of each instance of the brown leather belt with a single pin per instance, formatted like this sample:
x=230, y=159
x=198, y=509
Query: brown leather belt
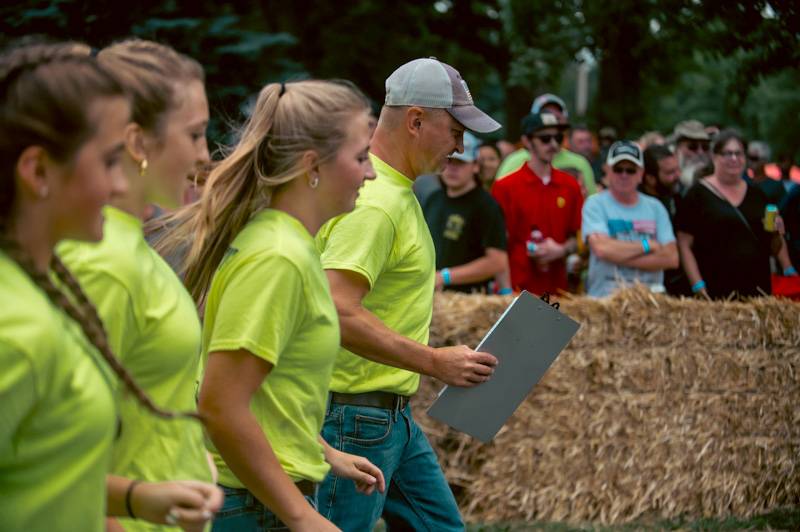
x=307, y=487
x=387, y=400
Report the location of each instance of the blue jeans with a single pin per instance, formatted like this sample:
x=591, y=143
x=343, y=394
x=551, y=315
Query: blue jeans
x=243, y=512
x=417, y=495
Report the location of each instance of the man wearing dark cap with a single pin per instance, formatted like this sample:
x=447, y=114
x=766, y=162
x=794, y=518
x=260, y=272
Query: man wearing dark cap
x=629, y=234
x=542, y=208
x=564, y=158
x=381, y=268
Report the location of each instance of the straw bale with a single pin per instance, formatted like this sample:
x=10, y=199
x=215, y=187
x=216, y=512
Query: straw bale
x=659, y=407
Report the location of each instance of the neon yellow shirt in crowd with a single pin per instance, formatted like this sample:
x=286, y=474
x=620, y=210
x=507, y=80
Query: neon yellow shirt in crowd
x=153, y=327
x=271, y=297
x=563, y=159
x=57, y=415
x=386, y=240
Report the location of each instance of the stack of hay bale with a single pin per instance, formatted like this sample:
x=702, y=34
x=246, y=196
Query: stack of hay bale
x=659, y=407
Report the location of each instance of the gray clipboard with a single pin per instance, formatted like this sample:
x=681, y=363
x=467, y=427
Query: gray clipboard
x=526, y=340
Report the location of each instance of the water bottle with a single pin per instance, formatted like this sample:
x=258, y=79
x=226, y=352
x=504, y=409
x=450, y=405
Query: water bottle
x=536, y=238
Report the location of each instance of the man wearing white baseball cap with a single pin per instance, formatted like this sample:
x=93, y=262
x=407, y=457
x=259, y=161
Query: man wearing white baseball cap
x=381, y=268
x=629, y=234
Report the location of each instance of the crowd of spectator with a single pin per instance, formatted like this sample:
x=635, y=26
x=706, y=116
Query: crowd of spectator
x=697, y=211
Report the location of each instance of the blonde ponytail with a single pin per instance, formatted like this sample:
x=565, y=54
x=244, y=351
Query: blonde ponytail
x=286, y=122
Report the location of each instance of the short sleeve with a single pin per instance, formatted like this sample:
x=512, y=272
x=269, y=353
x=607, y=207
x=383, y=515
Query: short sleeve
x=360, y=241
x=17, y=393
x=587, y=174
x=260, y=307
x=595, y=220
x=664, y=233
x=494, y=235
x=500, y=196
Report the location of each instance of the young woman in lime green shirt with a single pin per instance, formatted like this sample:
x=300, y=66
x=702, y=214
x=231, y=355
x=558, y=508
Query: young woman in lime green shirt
x=62, y=122
x=271, y=332
x=151, y=320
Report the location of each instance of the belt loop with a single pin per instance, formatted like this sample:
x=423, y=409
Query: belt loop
x=329, y=404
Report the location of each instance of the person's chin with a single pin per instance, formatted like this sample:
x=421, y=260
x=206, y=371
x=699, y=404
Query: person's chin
x=439, y=167
x=93, y=233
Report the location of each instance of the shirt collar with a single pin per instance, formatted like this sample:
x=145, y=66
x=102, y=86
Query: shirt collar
x=383, y=169
x=533, y=177
x=122, y=217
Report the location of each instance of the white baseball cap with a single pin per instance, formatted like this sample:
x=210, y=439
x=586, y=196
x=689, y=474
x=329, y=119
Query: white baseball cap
x=625, y=150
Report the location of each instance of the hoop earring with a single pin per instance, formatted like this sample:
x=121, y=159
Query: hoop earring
x=314, y=182
x=143, y=167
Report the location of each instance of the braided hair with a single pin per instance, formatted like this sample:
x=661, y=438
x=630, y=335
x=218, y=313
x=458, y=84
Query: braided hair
x=46, y=91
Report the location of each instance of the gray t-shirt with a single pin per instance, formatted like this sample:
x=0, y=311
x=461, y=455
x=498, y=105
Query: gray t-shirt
x=602, y=214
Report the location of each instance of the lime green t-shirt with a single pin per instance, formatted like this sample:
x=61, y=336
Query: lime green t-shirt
x=154, y=328
x=271, y=297
x=563, y=159
x=57, y=414
x=386, y=240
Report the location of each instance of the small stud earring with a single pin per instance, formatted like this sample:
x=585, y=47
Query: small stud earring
x=143, y=167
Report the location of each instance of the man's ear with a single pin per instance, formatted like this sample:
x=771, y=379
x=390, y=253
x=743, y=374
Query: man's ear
x=135, y=142
x=32, y=171
x=414, y=118
x=526, y=142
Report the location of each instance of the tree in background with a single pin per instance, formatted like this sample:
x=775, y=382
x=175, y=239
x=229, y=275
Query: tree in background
x=656, y=62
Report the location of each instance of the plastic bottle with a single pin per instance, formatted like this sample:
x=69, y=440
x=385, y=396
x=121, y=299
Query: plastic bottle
x=536, y=238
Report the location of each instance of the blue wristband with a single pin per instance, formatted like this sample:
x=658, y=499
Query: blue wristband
x=446, y=276
x=699, y=285
x=789, y=270
x=646, y=246
x=504, y=291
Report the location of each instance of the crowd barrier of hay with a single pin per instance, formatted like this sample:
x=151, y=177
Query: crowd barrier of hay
x=659, y=407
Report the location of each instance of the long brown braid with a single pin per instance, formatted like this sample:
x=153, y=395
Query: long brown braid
x=46, y=93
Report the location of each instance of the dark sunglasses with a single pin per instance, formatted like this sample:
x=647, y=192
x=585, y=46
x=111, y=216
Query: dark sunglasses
x=624, y=170
x=754, y=157
x=546, y=139
x=697, y=146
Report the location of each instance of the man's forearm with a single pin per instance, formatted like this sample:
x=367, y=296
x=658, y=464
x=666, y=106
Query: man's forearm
x=616, y=251
x=366, y=335
x=478, y=270
x=662, y=259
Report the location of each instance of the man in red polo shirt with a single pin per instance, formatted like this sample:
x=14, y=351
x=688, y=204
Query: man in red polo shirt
x=542, y=208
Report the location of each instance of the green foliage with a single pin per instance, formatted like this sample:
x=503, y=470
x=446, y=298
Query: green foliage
x=655, y=61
